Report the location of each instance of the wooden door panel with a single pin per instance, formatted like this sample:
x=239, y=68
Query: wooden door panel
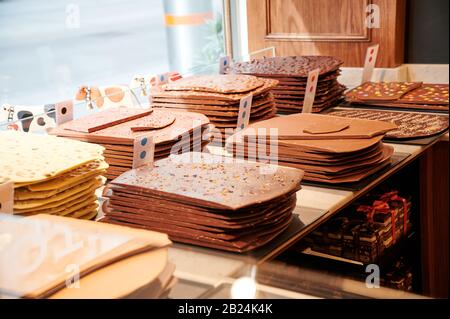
x=283, y=20
x=327, y=27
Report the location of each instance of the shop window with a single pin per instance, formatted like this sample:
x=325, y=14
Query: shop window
x=50, y=48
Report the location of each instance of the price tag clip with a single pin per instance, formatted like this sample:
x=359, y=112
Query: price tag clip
x=224, y=64
x=369, y=64
x=245, y=109
x=63, y=112
x=143, y=151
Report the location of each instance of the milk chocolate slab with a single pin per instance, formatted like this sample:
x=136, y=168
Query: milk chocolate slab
x=317, y=127
x=294, y=66
x=255, y=115
x=381, y=91
x=133, y=198
x=347, y=168
x=351, y=178
x=219, y=83
x=193, y=224
x=153, y=123
x=122, y=134
x=299, y=98
x=410, y=125
x=214, y=108
x=206, y=200
x=334, y=147
x=177, y=135
x=230, y=97
x=237, y=247
x=218, y=185
x=168, y=211
x=312, y=159
x=104, y=119
x=297, y=104
x=203, y=232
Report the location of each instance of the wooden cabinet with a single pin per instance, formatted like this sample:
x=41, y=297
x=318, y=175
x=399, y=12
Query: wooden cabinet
x=434, y=220
x=329, y=27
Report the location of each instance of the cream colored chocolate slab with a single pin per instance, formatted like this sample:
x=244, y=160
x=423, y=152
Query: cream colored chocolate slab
x=29, y=158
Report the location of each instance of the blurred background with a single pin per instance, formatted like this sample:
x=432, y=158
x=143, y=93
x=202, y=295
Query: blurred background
x=49, y=48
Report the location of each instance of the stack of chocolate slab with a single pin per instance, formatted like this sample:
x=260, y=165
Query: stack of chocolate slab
x=116, y=129
x=51, y=175
x=331, y=150
x=405, y=95
x=206, y=200
x=410, y=125
x=292, y=74
x=218, y=97
x=81, y=259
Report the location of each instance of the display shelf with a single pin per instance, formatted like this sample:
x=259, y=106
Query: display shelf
x=315, y=206
x=386, y=258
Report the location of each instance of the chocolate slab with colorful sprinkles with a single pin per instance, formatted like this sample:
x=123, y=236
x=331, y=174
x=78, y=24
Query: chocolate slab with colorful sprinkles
x=206, y=200
x=381, y=91
x=415, y=96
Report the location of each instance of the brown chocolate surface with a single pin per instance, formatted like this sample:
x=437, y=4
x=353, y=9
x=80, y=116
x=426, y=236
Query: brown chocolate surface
x=431, y=94
x=230, y=97
x=223, y=185
x=219, y=83
x=381, y=91
x=173, y=132
x=327, y=149
x=409, y=125
x=294, y=66
x=122, y=133
x=101, y=120
x=318, y=126
x=205, y=200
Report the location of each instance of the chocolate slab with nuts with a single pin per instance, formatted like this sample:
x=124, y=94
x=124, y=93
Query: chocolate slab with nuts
x=292, y=73
x=217, y=84
x=206, y=200
x=409, y=125
x=218, y=97
x=292, y=66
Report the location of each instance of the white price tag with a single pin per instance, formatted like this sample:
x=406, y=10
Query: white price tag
x=369, y=64
x=143, y=151
x=7, y=198
x=245, y=109
x=311, y=89
x=63, y=112
x=224, y=64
